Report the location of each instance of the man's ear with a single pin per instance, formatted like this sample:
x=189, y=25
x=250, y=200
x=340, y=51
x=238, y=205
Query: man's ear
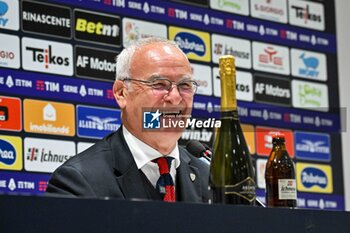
x=120, y=93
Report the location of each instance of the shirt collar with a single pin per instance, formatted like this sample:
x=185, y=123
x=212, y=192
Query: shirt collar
x=143, y=153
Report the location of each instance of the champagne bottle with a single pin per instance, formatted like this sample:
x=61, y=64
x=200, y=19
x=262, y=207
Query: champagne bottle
x=231, y=172
x=280, y=176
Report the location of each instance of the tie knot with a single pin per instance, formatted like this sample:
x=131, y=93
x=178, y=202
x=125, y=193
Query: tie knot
x=164, y=164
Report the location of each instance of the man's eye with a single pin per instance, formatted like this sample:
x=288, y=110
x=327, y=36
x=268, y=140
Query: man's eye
x=160, y=85
x=186, y=85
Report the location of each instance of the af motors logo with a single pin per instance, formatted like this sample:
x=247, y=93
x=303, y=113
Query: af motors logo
x=11, y=153
x=309, y=65
x=49, y=117
x=9, y=15
x=309, y=95
x=9, y=51
x=233, y=6
x=264, y=140
x=94, y=63
x=312, y=146
x=47, y=56
x=273, y=10
x=202, y=75
x=46, y=19
x=244, y=85
x=136, y=29
x=274, y=91
x=315, y=178
x=307, y=14
x=195, y=44
x=240, y=49
x=94, y=122
x=97, y=28
x=45, y=155
x=271, y=58
x=10, y=114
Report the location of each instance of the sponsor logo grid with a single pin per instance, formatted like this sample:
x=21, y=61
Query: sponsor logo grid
x=111, y=31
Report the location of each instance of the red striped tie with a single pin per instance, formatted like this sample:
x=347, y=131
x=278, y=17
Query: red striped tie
x=165, y=183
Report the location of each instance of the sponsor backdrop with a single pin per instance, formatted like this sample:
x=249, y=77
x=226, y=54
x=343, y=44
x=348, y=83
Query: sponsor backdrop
x=57, y=66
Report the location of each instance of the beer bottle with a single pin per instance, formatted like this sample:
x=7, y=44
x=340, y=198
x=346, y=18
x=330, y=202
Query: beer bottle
x=280, y=176
x=231, y=172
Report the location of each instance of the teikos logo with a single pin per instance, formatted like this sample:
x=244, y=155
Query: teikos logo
x=274, y=10
x=97, y=28
x=195, y=44
x=202, y=75
x=9, y=51
x=136, y=29
x=223, y=45
x=174, y=120
x=99, y=64
x=271, y=58
x=47, y=19
x=310, y=65
x=94, y=122
x=49, y=117
x=244, y=85
x=9, y=15
x=307, y=14
x=11, y=153
x=312, y=146
x=311, y=96
x=234, y=6
x=44, y=155
x=314, y=178
x=10, y=114
x=47, y=56
x=272, y=90
x=264, y=140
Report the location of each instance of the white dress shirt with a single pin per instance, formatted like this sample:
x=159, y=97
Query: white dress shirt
x=144, y=154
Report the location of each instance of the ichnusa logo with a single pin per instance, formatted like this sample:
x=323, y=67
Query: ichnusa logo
x=315, y=178
x=175, y=120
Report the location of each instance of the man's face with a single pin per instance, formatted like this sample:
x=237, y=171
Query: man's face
x=148, y=63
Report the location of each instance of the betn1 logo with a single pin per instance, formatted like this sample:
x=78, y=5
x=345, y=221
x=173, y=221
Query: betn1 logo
x=151, y=120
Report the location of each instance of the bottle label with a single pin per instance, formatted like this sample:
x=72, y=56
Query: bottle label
x=287, y=189
x=244, y=189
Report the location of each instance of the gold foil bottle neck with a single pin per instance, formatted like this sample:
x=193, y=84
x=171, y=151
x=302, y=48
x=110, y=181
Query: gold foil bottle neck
x=228, y=83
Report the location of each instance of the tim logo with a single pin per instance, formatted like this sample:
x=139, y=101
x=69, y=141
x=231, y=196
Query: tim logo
x=270, y=57
x=151, y=120
x=311, y=63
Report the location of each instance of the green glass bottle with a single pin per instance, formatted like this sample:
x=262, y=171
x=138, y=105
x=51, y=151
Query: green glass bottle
x=231, y=172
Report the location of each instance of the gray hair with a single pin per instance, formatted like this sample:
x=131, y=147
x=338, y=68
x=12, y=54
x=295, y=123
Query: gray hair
x=125, y=57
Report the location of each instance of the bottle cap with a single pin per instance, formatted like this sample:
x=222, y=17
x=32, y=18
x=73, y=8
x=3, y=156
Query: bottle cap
x=277, y=135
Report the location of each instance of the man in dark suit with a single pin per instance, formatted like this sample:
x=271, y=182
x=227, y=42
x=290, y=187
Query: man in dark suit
x=153, y=75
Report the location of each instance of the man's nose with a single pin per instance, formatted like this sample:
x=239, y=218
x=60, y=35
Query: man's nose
x=174, y=95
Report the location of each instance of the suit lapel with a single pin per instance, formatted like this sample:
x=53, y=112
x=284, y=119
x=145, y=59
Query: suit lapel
x=130, y=180
x=188, y=180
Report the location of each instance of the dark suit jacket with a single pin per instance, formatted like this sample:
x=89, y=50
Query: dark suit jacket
x=107, y=169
